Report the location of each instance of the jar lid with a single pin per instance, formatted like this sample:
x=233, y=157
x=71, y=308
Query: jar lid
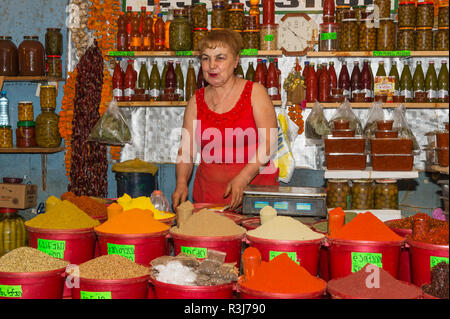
x=386, y=181
x=200, y=4
x=342, y=7
x=54, y=56
x=4, y=210
x=238, y=31
x=25, y=102
x=217, y=29
x=404, y=3
x=425, y=2
x=338, y=180
x=406, y=28
x=200, y=29
x=257, y=30
x=48, y=87
x=26, y=123
x=274, y=25
x=5, y=126
x=442, y=28
x=424, y=28
x=54, y=29
x=362, y=181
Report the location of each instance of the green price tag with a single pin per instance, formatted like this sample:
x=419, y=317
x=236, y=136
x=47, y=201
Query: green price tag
x=328, y=36
x=126, y=251
x=198, y=252
x=95, y=295
x=249, y=52
x=436, y=260
x=359, y=260
x=54, y=248
x=7, y=291
x=268, y=37
x=291, y=254
x=121, y=53
x=391, y=53
x=178, y=53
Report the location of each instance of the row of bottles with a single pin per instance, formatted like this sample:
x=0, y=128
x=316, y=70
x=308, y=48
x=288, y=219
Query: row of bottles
x=322, y=82
x=170, y=85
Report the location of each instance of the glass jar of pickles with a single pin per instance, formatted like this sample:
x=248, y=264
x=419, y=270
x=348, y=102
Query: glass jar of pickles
x=407, y=14
x=54, y=66
x=47, y=96
x=199, y=15
x=338, y=194
x=386, y=194
x=218, y=14
x=236, y=16
x=405, y=39
x=349, y=32
x=425, y=14
x=441, y=39
x=25, y=111
x=268, y=37
x=47, y=132
x=5, y=136
x=424, y=39
x=250, y=39
x=328, y=38
x=443, y=15
x=251, y=22
x=386, y=35
x=367, y=34
x=25, y=134
x=340, y=12
x=199, y=33
x=384, y=7
x=362, y=194
x=180, y=32
x=53, y=42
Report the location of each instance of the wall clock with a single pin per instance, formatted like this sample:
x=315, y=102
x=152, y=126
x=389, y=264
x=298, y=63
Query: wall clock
x=297, y=34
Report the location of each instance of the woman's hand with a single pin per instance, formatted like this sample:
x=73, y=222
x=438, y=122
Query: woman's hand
x=179, y=195
x=236, y=188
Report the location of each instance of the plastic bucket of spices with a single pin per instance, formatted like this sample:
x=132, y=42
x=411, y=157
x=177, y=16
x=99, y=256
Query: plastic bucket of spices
x=140, y=248
x=32, y=285
x=164, y=290
x=425, y=256
x=199, y=245
x=404, y=270
x=324, y=269
x=131, y=288
x=348, y=256
x=305, y=252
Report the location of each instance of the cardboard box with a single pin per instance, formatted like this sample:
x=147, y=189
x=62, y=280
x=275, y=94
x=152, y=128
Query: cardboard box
x=19, y=196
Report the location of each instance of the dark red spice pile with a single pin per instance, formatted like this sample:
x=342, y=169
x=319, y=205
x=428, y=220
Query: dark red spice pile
x=355, y=286
x=439, y=281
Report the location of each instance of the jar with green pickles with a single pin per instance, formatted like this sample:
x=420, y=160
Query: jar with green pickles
x=367, y=34
x=199, y=33
x=386, y=194
x=218, y=14
x=424, y=39
x=349, y=33
x=6, y=140
x=47, y=132
x=250, y=39
x=386, y=35
x=443, y=15
x=407, y=14
x=12, y=230
x=405, y=39
x=340, y=12
x=338, y=194
x=199, y=15
x=425, y=14
x=359, y=10
x=180, y=32
x=363, y=194
x=441, y=39
x=236, y=16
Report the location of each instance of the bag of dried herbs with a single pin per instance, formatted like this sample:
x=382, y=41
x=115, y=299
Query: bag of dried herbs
x=345, y=112
x=111, y=128
x=316, y=126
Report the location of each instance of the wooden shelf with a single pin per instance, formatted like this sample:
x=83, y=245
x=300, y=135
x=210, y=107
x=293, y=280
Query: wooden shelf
x=370, y=54
x=142, y=54
x=164, y=103
x=357, y=105
x=31, y=150
x=370, y=174
x=32, y=79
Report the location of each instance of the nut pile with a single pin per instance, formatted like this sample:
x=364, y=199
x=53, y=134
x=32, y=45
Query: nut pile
x=27, y=259
x=79, y=36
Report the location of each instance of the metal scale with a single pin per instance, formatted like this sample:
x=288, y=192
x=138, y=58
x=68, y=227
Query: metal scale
x=290, y=201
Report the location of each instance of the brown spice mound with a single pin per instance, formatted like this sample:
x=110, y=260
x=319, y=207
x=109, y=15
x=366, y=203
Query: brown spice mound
x=27, y=259
x=439, y=281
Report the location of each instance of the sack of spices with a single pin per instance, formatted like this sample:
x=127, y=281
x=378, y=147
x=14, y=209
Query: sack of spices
x=375, y=114
x=316, y=126
x=111, y=128
x=345, y=112
x=402, y=126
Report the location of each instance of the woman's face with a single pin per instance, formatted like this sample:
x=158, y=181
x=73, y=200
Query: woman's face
x=218, y=65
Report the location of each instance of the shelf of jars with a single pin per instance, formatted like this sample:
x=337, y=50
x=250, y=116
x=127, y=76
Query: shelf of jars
x=364, y=105
x=143, y=54
x=166, y=103
x=376, y=54
x=31, y=150
x=370, y=174
x=28, y=79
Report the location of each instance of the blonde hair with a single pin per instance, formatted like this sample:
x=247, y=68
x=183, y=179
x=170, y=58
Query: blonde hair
x=222, y=38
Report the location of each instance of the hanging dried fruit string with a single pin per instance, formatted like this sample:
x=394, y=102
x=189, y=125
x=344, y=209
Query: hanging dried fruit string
x=295, y=114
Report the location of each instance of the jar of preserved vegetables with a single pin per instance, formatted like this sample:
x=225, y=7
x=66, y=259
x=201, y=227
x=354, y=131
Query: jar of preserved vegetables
x=54, y=66
x=338, y=194
x=349, y=32
x=386, y=194
x=441, y=39
x=251, y=23
x=25, y=134
x=340, y=12
x=424, y=39
x=53, y=42
x=180, y=32
x=268, y=37
x=407, y=14
x=199, y=15
x=384, y=7
x=25, y=111
x=218, y=14
x=47, y=132
x=405, y=39
x=5, y=136
x=425, y=14
x=362, y=194
x=328, y=38
x=199, y=33
x=386, y=35
x=47, y=96
x=443, y=15
x=236, y=16
x=12, y=230
x=359, y=10
x=8, y=57
x=367, y=33
x=31, y=57
x=250, y=39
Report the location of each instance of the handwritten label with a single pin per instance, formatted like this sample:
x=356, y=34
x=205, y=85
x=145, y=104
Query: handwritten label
x=436, y=260
x=391, y=53
x=249, y=52
x=328, y=36
x=126, y=251
x=359, y=260
x=121, y=53
x=291, y=254
x=7, y=291
x=259, y=204
x=54, y=248
x=197, y=252
x=268, y=37
x=95, y=295
x=178, y=53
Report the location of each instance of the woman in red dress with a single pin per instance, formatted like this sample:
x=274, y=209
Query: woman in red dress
x=233, y=123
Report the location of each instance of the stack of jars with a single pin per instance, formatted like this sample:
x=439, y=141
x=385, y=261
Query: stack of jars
x=199, y=19
x=251, y=33
x=25, y=131
x=441, y=38
x=269, y=29
x=53, y=51
x=47, y=132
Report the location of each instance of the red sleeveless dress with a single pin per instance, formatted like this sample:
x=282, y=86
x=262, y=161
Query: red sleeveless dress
x=228, y=142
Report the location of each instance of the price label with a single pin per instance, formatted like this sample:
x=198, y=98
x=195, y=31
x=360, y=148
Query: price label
x=54, y=248
x=359, y=260
x=328, y=36
x=436, y=260
x=197, y=252
x=95, y=295
x=126, y=251
x=268, y=37
x=178, y=53
x=249, y=52
x=291, y=254
x=121, y=53
x=7, y=291
x=391, y=53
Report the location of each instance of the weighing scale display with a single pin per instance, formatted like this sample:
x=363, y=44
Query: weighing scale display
x=304, y=206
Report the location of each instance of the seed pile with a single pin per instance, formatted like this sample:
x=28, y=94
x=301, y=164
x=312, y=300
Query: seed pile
x=27, y=259
x=439, y=281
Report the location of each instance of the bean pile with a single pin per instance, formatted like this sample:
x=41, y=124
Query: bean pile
x=109, y=267
x=88, y=172
x=27, y=259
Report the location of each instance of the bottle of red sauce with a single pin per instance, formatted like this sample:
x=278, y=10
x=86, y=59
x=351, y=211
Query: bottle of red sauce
x=171, y=79
x=279, y=79
x=344, y=80
x=259, y=73
x=122, y=35
x=272, y=81
x=305, y=70
x=118, y=81
x=366, y=81
x=264, y=64
x=128, y=18
x=355, y=81
x=333, y=76
x=311, y=84
x=269, y=11
x=129, y=81
x=328, y=7
x=159, y=33
x=324, y=84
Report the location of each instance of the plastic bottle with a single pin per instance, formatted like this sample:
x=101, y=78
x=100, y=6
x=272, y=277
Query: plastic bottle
x=136, y=44
x=324, y=85
x=250, y=74
x=394, y=72
x=143, y=79
x=406, y=84
x=366, y=82
x=160, y=201
x=272, y=81
x=333, y=76
x=155, y=83
x=128, y=18
x=4, y=109
x=156, y=9
x=418, y=79
x=259, y=73
x=311, y=84
x=254, y=10
x=167, y=28
x=180, y=81
x=122, y=35
x=344, y=80
x=431, y=83
x=117, y=81
x=159, y=34
x=142, y=16
x=355, y=84
x=148, y=40
x=129, y=81
x=443, y=83
x=191, y=83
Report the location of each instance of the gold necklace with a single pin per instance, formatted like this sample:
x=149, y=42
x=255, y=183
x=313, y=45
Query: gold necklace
x=212, y=100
